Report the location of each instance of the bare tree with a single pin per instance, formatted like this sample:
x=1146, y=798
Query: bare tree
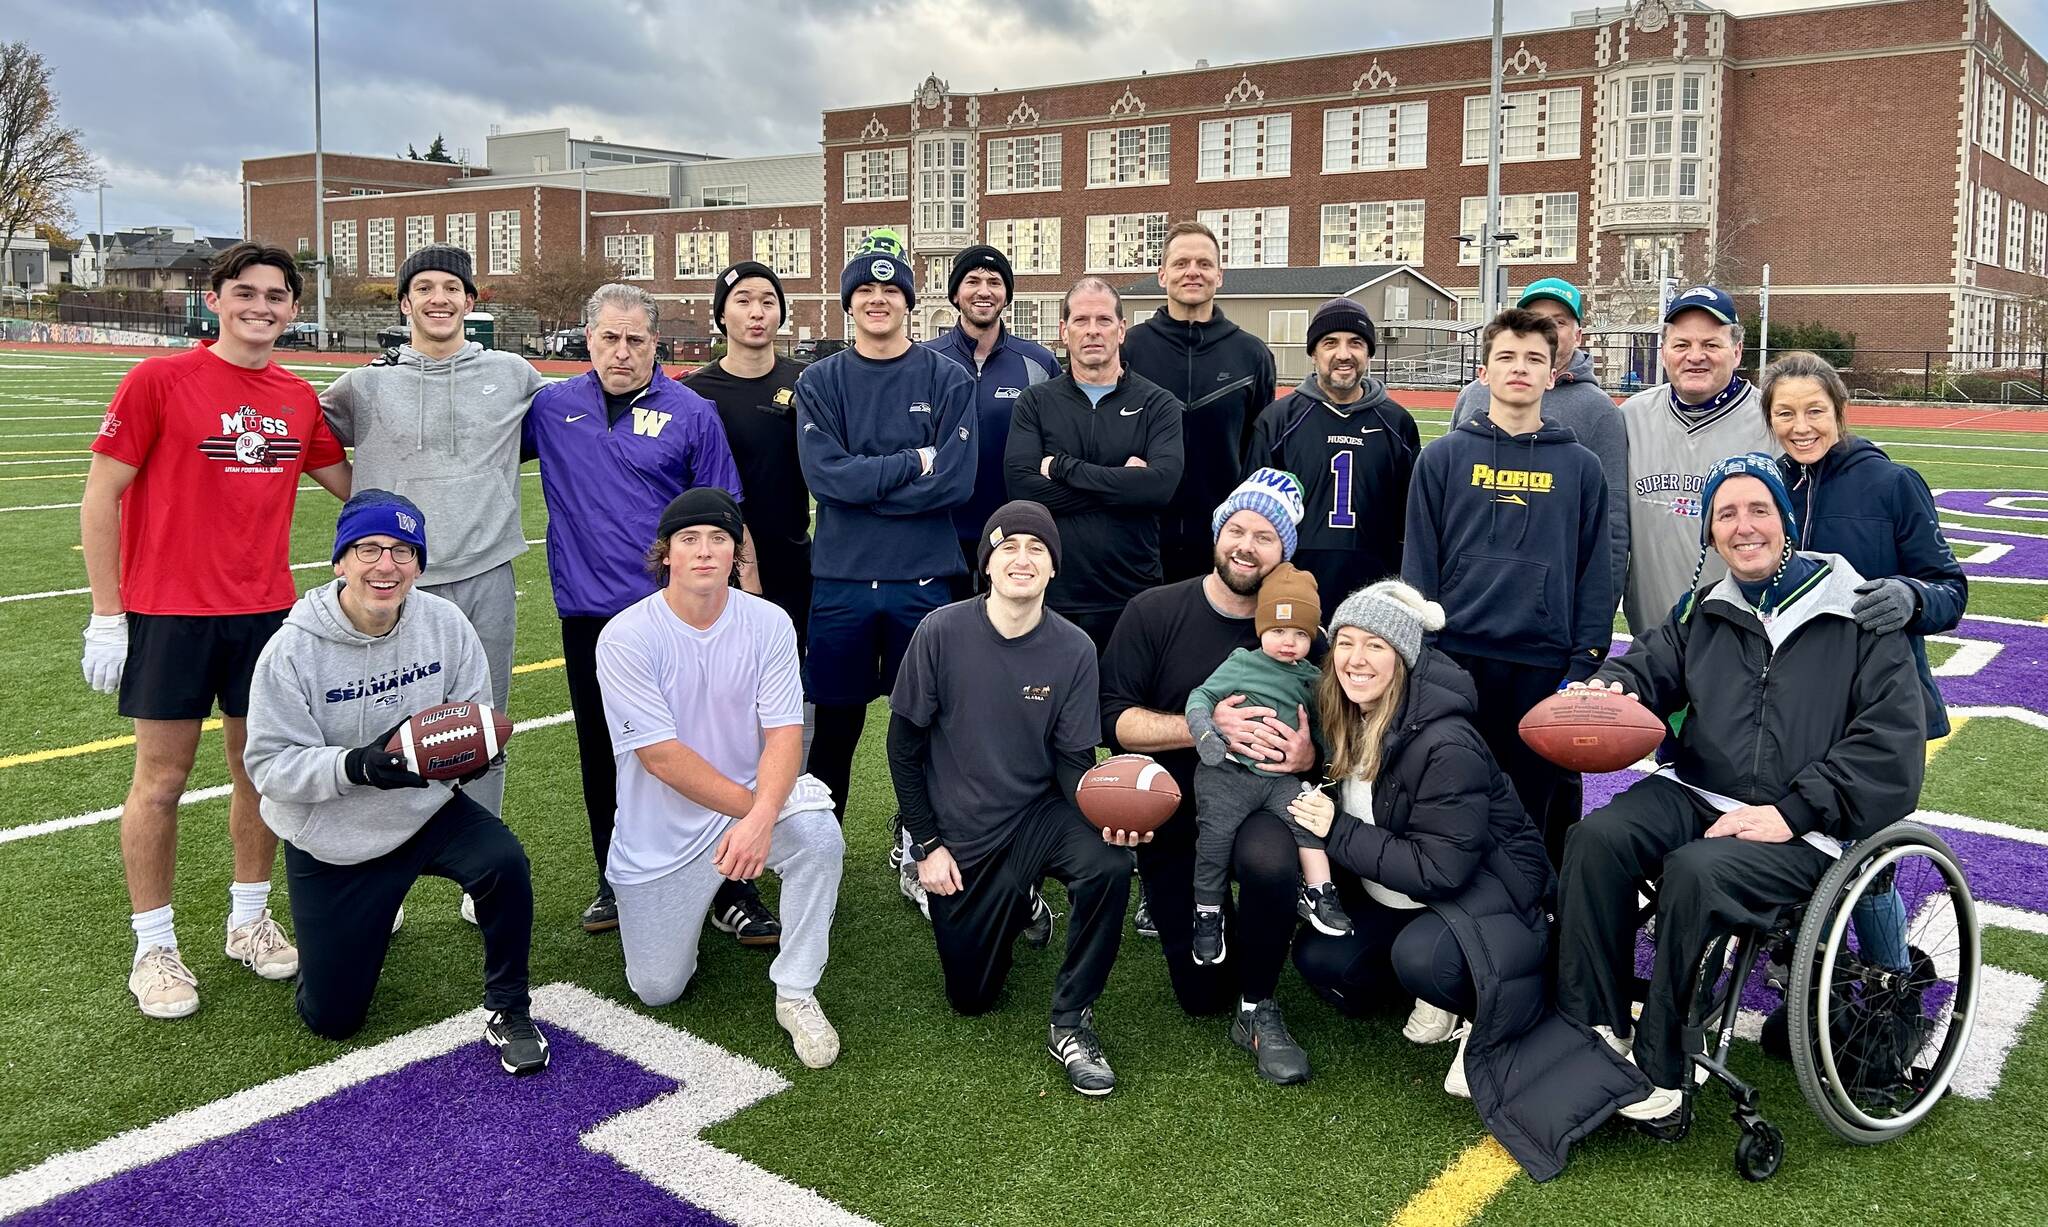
x=41, y=161
x=555, y=287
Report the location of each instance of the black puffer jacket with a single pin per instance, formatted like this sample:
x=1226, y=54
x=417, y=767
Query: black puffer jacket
x=1447, y=830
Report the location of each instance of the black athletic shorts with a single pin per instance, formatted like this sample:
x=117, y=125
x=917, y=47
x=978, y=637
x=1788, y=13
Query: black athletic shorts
x=179, y=664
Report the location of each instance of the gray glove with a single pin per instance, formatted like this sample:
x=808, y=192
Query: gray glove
x=1884, y=605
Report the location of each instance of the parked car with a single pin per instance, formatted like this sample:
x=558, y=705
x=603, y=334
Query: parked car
x=300, y=336
x=810, y=349
x=393, y=336
x=571, y=345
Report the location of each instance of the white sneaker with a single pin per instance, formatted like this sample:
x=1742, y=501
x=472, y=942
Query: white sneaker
x=262, y=947
x=1429, y=1025
x=1623, y=1045
x=398, y=919
x=1663, y=1101
x=163, y=986
x=1454, y=1081
x=468, y=908
x=817, y=1044
x=913, y=890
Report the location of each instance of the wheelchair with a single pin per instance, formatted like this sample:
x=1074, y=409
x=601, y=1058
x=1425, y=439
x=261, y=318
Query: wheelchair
x=1873, y=1047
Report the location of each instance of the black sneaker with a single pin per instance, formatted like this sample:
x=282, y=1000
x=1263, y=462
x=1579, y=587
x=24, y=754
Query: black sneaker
x=1038, y=930
x=1142, y=919
x=522, y=1049
x=1209, y=948
x=750, y=922
x=1080, y=1052
x=602, y=915
x=1263, y=1033
x=1320, y=906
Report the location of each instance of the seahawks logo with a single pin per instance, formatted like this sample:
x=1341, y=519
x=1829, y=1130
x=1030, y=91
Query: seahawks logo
x=883, y=270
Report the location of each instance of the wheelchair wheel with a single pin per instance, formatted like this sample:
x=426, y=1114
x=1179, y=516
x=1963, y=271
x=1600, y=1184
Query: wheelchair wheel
x=1759, y=1152
x=1875, y=1046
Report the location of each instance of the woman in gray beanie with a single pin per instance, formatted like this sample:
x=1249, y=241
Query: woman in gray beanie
x=1447, y=884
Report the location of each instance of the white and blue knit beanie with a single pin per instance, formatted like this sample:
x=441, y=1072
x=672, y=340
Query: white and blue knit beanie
x=1273, y=493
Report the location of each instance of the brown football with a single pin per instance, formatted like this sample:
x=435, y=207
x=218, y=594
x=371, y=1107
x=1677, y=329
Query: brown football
x=1129, y=792
x=1591, y=730
x=451, y=740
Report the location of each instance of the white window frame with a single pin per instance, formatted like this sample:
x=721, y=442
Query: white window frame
x=1546, y=225
x=1285, y=327
x=702, y=253
x=1987, y=226
x=2037, y=247
x=1031, y=243
x=785, y=249
x=945, y=185
x=1024, y=163
x=634, y=254
x=1249, y=238
x=1395, y=227
x=505, y=242
x=1991, y=130
x=2009, y=335
x=1139, y=238
x=1137, y=156
x=461, y=232
x=1536, y=125
x=1657, y=135
x=2022, y=116
x=2041, y=148
x=1396, y=132
x=1036, y=317
x=730, y=195
x=380, y=247
x=877, y=174
x=341, y=247
x=419, y=232
x=2015, y=235
x=1246, y=147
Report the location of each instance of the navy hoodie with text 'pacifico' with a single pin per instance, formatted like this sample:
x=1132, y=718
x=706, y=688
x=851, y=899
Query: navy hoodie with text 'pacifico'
x=1509, y=534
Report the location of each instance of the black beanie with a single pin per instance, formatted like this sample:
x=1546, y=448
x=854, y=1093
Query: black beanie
x=438, y=258
x=1018, y=516
x=980, y=256
x=1342, y=315
x=701, y=505
x=732, y=277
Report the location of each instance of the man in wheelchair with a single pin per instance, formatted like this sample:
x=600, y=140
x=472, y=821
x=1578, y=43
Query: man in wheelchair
x=1802, y=731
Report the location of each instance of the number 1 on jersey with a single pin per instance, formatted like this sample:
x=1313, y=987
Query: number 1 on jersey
x=1341, y=515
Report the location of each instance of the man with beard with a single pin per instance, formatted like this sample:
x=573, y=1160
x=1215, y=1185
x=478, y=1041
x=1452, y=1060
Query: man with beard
x=1223, y=374
x=1004, y=366
x=1353, y=449
x=1168, y=642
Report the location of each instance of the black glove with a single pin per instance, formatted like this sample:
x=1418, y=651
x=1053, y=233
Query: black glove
x=378, y=767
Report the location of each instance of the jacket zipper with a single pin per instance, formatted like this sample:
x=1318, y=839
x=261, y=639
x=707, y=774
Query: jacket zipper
x=1763, y=687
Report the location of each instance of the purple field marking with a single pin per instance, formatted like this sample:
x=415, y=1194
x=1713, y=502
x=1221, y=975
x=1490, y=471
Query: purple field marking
x=2026, y=559
x=2016, y=677
x=1978, y=502
x=447, y=1140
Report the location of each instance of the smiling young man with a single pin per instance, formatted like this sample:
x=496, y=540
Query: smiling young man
x=1221, y=373
x=1507, y=528
x=885, y=433
x=1099, y=447
x=355, y=660
x=219, y=434
x=438, y=420
x=615, y=446
x=1352, y=447
x=993, y=720
x=1676, y=431
x=1004, y=367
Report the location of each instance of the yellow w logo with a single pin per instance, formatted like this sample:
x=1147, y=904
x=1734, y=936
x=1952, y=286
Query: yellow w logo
x=649, y=422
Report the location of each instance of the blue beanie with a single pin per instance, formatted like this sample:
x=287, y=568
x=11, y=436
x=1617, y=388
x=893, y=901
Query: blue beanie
x=1272, y=493
x=1748, y=464
x=380, y=513
x=881, y=259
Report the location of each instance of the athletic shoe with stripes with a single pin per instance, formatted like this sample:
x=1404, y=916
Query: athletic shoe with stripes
x=1080, y=1052
x=1038, y=930
x=750, y=922
x=522, y=1049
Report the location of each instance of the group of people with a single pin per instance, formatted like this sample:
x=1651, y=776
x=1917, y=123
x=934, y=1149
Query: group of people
x=1324, y=631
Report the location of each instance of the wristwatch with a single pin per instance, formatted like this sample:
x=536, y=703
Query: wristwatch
x=920, y=851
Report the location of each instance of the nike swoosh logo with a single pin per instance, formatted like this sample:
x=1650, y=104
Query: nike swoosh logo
x=579, y=417
x=1125, y=413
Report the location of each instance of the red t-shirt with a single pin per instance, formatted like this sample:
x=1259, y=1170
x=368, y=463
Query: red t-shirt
x=206, y=525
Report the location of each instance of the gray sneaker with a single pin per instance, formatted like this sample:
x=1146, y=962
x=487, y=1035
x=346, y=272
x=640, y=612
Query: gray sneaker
x=1320, y=906
x=1263, y=1033
x=1038, y=930
x=1080, y=1052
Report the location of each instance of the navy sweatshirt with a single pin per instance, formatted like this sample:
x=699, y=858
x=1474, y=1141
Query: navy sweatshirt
x=1509, y=534
x=1012, y=366
x=859, y=425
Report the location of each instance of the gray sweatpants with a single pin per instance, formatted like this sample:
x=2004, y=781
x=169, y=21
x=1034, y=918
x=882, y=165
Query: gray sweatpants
x=1226, y=795
x=661, y=921
x=486, y=600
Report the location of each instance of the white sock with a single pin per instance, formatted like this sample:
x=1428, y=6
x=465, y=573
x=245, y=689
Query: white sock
x=246, y=901
x=1202, y=909
x=153, y=928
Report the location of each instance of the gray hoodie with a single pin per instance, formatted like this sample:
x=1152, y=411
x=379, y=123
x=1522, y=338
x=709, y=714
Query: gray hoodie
x=323, y=688
x=1577, y=403
x=445, y=434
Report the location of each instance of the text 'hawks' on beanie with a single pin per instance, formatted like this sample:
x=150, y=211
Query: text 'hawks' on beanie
x=722, y=290
x=1272, y=493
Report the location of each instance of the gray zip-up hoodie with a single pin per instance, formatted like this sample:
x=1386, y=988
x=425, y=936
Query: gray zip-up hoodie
x=445, y=434
x=1576, y=403
x=323, y=688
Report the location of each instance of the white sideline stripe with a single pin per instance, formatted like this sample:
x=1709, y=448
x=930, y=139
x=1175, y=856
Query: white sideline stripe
x=658, y=1141
x=43, y=507
x=2005, y=1002
x=56, y=417
x=1982, y=826
x=197, y=795
x=2011, y=918
x=37, y=596
x=304, y=489
x=2021, y=714
x=1959, y=447
x=1993, y=532
x=2005, y=579
x=85, y=455
x=52, y=434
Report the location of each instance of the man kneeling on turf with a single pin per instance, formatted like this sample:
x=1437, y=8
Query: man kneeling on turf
x=355, y=658
x=706, y=712
x=994, y=718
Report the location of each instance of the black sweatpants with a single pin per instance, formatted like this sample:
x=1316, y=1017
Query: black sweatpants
x=342, y=913
x=594, y=751
x=1653, y=832
x=1390, y=956
x=976, y=925
x=1507, y=690
x=1268, y=874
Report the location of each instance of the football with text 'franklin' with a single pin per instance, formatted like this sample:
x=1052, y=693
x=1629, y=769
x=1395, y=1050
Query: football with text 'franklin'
x=452, y=740
x=1129, y=792
x=1591, y=730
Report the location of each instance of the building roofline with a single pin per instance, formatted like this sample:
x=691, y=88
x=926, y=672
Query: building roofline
x=483, y=184
x=366, y=157
x=777, y=204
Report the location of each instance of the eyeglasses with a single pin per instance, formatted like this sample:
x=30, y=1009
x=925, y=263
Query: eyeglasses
x=369, y=552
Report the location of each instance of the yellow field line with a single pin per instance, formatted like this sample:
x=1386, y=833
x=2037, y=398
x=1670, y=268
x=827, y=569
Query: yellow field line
x=115, y=743
x=1462, y=1190
x=1955, y=725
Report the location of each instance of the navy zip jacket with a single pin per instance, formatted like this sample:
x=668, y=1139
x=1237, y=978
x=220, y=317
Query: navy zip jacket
x=1878, y=515
x=859, y=425
x=1509, y=534
x=1012, y=366
x=1107, y=509
x=1224, y=377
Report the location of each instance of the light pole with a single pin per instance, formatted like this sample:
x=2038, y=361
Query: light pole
x=319, y=193
x=1489, y=238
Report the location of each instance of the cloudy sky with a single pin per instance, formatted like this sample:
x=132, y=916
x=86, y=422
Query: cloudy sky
x=172, y=94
